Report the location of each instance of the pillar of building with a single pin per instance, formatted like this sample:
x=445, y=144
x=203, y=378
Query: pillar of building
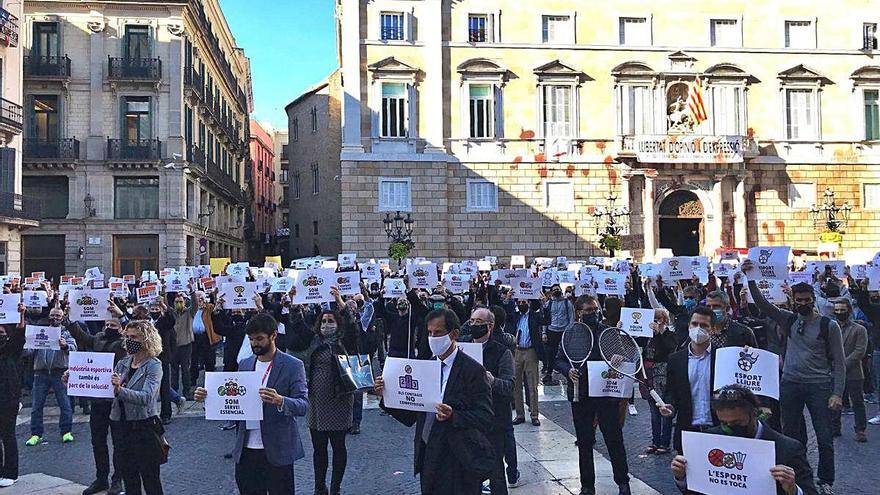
x=715, y=232
x=350, y=40
x=431, y=34
x=96, y=142
x=648, y=214
x=739, y=213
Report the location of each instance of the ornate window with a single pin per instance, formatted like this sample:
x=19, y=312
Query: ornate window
x=634, y=93
x=482, y=84
x=727, y=97
x=866, y=86
x=393, y=99
x=801, y=110
x=558, y=99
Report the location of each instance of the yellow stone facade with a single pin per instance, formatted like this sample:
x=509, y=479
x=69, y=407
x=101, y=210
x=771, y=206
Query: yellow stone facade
x=791, y=80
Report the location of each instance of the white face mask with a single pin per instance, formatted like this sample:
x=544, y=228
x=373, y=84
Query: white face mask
x=439, y=345
x=698, y=335
x=328, y=329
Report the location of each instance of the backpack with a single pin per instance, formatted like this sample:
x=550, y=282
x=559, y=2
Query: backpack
x=824, y=324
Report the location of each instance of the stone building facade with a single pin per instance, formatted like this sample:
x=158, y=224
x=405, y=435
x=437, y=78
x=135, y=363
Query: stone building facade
x=503, y=127
x=316, y=199
x=136, y=132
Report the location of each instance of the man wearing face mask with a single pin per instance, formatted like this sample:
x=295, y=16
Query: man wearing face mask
x=726, y=332
x=855, y=344
x=400, y=327
x=737, y=410
x=107, y=340
x=681, y=313
x=558, y=316
x=459, y=421
x=828, y=289
x=813, y=372
x=49, y=367
x=499, y=372
x=689, y=377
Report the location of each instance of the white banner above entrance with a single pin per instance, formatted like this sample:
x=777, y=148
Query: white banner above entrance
x=689, y=149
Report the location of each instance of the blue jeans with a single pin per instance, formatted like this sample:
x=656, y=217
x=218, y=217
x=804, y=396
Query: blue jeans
x=42, y=383
x=792, y=399
x=661, y=428
x=357, y=408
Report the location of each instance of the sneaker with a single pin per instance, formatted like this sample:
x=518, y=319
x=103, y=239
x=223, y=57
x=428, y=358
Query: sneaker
x=514, y=481
x=860, y=437
x=33, y=440
x=536, y=422
x=875, y=420
x=520, y=420
x=97, y=486
x=116, y=488
x=825, y=489
x=632, y=410
x=179, y=403
x=7, y=482
x=67, y=437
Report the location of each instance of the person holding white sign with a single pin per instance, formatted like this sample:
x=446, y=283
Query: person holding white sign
x=737, y=411
x=265, y=451
x=11, y=348
x=725, y=331
x=440, y=436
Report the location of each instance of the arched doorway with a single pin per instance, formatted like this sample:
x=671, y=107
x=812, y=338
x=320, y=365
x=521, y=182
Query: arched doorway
x=681, y=223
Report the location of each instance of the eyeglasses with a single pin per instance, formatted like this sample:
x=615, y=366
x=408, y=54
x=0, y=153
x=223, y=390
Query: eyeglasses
x=728, y=394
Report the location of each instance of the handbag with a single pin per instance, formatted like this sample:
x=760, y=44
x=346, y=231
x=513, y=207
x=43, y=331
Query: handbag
x=356, y=372
x=162, y=442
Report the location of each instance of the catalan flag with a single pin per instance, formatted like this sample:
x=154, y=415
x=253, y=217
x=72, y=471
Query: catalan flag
x=696, y=104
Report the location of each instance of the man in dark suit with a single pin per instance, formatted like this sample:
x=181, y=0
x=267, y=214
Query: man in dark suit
x=265, y=451
x=451, y=454
x=725, y=331
x=689, y=376
x=737, y=410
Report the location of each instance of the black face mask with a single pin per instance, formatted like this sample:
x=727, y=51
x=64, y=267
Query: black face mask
x=360, y=304
x=803, y=309
x=744, y=431
x=841, y=317
x=832, y=290
x=111, y=332
x=523, y=308
x=479, y=331
x=590, y=319
x=557, y=293
x=3, y=340
x=155, y=316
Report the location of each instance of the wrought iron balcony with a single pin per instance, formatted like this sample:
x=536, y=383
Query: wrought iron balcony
x=47, y=67
x=10, y=115
x=21, y=207
x=54, y=149
x=8, y=28
x=193, y=80
x=134, y=150
x=124, y=68
x=195, y=156
x=224, y=180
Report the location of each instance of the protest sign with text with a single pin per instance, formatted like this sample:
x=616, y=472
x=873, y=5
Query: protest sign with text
x=672, y=269
x=9, y=308
x=238, y=296
x=411, y=384
x=313, y=286
x=726, y=464
x=233, y=396
x=39, y=337
x=526, y=288
x=606, y=382
x=755, y=369
x=34, y=298
x=90, y=305
x=771, y=261
x=89, y=374
x=394, y=288
x=637, y=321
x=423, y=276
x=147, y=294
x=348, y=283
x=455, y=283
x=611, y=283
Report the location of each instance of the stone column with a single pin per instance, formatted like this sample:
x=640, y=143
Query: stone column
x=739, y=213
x=351, y=76
x=648, y=214
x=715, y=233
x=174, y=66
x=431, y=98
x=96, y=143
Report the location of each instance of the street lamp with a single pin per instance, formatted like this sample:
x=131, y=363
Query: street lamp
x=399, y=230
x=612, y=216
x=828, y=213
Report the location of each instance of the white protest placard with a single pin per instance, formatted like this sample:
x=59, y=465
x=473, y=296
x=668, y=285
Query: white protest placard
x=838, y=267
x=611, y=283
x=726, y=464
x=584, y=287
x=233, y=396
x=519, y=260
x=549, y=278
x=238, y=296
x=725, y=270
x=263, y=283
x=176, y=282
x=119, y=290
x=9, y=308
x=700, y=265
x=34, y=298
x=771, y=261
x=90, y=305
x=147, y=294
x=281, y=285
x=755, y=369
x=412, y=384
x=800, y=278
x=729, y=255
x=506, y=276
x=649, y=270
x=566, y=277
x=606, y=382
x=637, y=321
x=588, y=272
x=771, y=290
x=313, y=286
x=455, y=283
x=37, y=337
x=859, y=272
x=622, y=266
x=526, y=288
x=468, y=266
x=346, y=260
x=238, y=269
x=348, y=283
x=89, y=374
x=423, y=276
x=484, y=265
x=94, y=273
x=874, y=277
x=394, y=288
x=672, y=269
x=370, y=272
x=473, y=350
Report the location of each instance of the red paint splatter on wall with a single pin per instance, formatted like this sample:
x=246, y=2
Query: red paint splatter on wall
x=542, y=172
x=569, y=171
x=750, y=133
x=600, y=145
x=585, y=172
x=612, y=174
x=540, y=158
x=526, y=134
x=517, y=159
x=514, y=167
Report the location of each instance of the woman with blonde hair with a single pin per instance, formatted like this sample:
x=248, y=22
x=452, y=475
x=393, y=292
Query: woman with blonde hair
x=136, y=381
x=657, y=351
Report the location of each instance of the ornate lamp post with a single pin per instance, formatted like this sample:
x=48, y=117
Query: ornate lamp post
x=613, y=219
x=828, y=213
x=399, y=231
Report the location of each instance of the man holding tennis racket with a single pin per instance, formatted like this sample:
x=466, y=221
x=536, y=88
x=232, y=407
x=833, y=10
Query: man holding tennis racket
x=575, y=350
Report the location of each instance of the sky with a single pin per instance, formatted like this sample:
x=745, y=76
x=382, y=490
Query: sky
x=291, y=45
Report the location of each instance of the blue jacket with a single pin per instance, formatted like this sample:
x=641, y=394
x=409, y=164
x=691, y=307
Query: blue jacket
x=278, y=429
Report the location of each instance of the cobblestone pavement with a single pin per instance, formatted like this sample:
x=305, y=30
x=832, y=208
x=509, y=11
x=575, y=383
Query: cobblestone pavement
x=380, y=459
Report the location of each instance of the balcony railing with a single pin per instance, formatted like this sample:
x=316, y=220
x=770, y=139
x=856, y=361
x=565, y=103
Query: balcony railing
x=10, y=114
x=147, y=69
x=195, y=156
x=222, y=179
x=17, y=206
x=47, y=67
x=392, y=33
x=55, y=149
x=193, y=80
x=8, y=28
x=134, y=150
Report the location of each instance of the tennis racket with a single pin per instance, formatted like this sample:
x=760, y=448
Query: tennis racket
x=577, y=344
x=620, y=351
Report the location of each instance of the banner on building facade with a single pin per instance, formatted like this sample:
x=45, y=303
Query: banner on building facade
x=689, y=149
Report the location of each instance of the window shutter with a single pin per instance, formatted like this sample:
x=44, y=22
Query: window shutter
x=498, y=112
x=409, y=20
x=7, y=170
x=409, y=130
